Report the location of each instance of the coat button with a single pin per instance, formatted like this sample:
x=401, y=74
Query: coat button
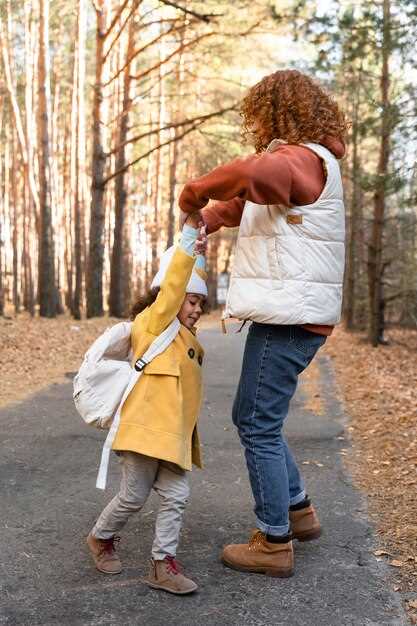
x=191, y=353
x=200, y=359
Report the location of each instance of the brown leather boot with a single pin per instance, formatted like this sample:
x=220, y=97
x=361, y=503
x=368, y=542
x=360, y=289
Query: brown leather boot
x=167, y=575
x=304, y=524
x=104, y=554
x=261, y=556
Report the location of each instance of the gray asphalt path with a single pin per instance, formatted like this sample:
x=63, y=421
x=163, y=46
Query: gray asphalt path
x=48, y=503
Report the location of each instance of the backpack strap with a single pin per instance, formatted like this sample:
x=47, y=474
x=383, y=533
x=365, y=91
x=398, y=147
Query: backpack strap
x=159, y=345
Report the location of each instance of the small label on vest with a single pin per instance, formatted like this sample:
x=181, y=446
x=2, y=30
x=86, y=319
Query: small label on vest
x=294, y=219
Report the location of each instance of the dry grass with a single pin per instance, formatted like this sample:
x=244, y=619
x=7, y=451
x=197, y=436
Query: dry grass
x=38, y=352
x=379, y=389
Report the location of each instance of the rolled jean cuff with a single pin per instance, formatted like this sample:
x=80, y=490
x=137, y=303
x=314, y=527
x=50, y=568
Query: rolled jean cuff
x=102, y=534
x=277, y=531
x=159, y=555
x=298, y=498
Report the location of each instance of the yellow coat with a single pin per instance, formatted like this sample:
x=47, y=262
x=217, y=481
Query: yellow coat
x=160, y=414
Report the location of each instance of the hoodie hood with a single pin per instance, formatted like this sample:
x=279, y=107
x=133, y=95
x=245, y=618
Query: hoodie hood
x=335, y=145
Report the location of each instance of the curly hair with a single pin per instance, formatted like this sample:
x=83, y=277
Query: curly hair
x=290, y=106
x=143, y=302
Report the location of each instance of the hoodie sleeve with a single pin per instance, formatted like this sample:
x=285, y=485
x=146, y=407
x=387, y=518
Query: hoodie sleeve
x=218, y=214
x=262, y=178
x=291, y=175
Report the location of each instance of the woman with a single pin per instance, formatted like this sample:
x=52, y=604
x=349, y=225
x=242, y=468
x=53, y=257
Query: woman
x=287, y=200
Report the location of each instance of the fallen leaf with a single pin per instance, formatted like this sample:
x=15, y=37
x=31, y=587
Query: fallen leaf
x=382, y=553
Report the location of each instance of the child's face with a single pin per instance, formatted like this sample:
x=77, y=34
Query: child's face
x=191, y=309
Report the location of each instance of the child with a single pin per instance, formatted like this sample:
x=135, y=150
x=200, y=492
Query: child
x=287, y=200
x=157, y=437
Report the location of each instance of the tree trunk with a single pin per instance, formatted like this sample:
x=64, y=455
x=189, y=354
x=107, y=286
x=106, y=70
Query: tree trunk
x=15, y=233
x=172, y=187
x=157, y=181
x=355, y=218
x=46, y=274
x=212, y=270
x=30, y=208
x=376, y=240
x=78, y=159
x=97, y=214
x=119, y=270
x=177, y=102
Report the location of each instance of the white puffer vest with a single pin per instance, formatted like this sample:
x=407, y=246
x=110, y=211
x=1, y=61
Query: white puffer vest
x=289, y=263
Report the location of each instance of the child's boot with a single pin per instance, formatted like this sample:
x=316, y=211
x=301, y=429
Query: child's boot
x=304, y=523
x=273, y=558
x=104, y=554
x=166, y=575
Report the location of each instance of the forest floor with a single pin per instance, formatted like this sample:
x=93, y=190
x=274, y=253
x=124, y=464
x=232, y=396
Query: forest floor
x=377, y=387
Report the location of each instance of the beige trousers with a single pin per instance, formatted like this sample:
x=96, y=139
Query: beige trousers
x=141, y=474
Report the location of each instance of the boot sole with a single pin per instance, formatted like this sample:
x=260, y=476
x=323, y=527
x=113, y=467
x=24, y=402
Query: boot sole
x=308, y=535
x=104, y=571
x=274, y=573
x=161, y=588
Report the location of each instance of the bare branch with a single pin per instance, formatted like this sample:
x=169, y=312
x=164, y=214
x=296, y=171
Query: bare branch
x=165, y=143
x=135, y=5
x=95, y=5
x=116, y=18
x=187, y=122
x=139, y=50
x=205, y=17
x=169, y=57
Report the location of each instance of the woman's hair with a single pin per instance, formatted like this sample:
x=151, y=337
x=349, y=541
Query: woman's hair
x=291, y=106
x=143, y=302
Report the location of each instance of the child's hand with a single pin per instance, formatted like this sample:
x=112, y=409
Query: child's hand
x=201, y=241
x=193, y=219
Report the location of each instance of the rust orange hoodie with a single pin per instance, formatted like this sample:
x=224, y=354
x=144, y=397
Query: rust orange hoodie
x=290, y=175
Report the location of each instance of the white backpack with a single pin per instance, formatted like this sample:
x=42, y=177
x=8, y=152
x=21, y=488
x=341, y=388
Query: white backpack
x=106, y=378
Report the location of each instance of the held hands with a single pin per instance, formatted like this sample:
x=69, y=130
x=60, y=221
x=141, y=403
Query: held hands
x=192, y=219
x=195, y=220
x=201, y=242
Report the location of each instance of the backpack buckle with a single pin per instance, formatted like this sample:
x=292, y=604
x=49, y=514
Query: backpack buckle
x=140, y=365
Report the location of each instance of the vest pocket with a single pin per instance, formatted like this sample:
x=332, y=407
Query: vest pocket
x=275, y=271
x=286, y=258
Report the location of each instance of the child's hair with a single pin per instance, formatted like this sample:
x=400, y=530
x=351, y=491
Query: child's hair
x=291, y=106
x=143, y=302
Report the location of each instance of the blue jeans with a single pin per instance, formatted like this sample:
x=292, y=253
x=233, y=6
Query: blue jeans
x=274, y=357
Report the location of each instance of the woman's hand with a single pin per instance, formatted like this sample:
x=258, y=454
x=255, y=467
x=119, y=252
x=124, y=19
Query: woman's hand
x=192, y=219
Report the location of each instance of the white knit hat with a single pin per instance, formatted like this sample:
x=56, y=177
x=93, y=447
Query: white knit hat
x=196, y=284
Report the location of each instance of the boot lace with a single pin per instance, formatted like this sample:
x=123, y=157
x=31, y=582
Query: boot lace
x=108, y=546
x=173, y=566
x=257, y=540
